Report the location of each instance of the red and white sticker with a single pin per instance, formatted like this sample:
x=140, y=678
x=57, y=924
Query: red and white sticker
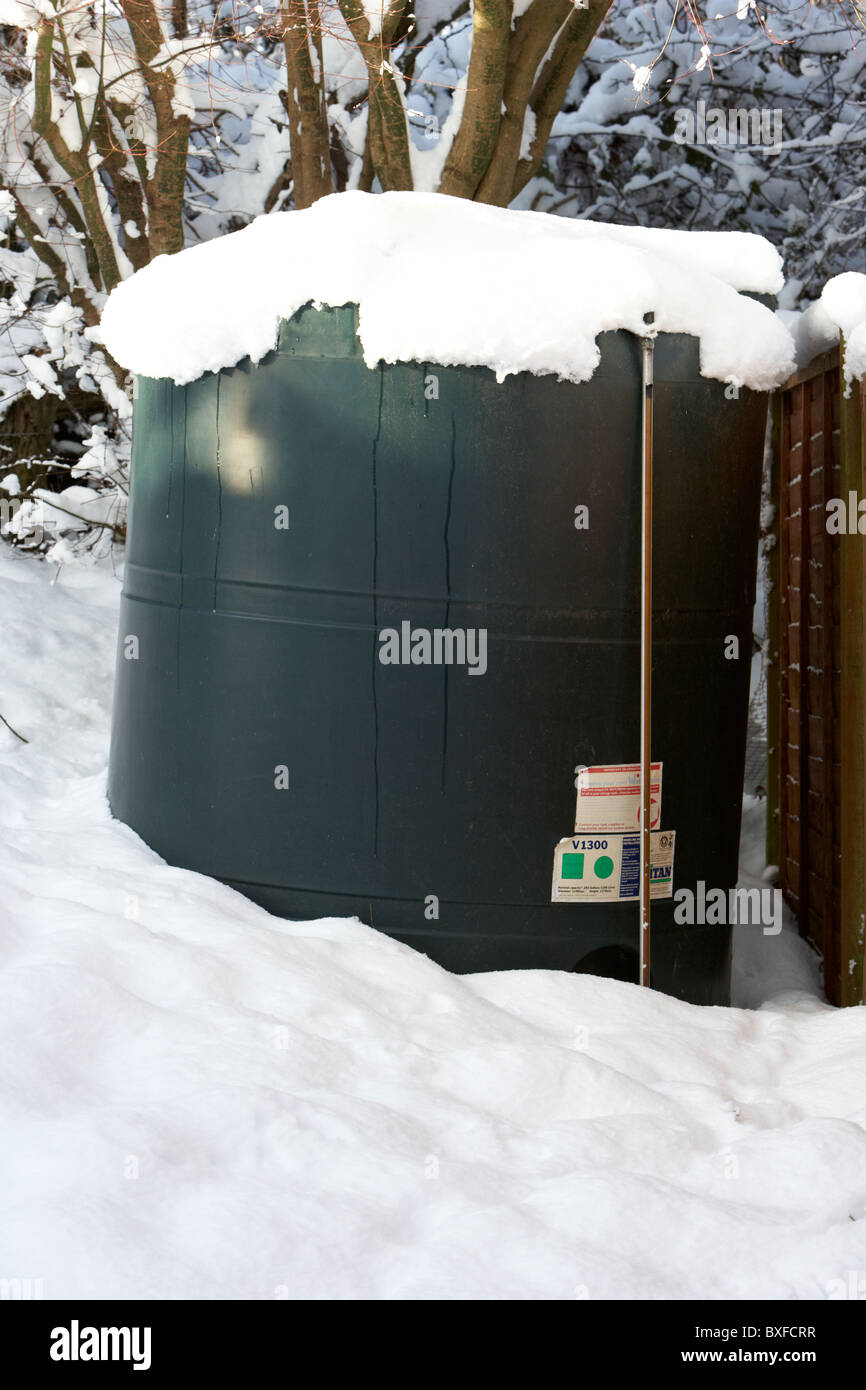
x=609, y=799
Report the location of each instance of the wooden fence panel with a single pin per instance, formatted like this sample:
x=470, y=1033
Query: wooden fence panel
x=852, y=711
x=817, y=673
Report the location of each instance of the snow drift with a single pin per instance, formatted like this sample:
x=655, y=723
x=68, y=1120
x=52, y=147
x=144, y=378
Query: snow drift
x=444, y=280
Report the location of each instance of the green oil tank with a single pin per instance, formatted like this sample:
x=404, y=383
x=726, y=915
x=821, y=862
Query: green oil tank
x=291, y=520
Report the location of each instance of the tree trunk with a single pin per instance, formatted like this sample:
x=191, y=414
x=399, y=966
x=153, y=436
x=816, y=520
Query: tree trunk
x=308, y=117
x=387, y=131
x=475, y=142
x=165, y=190
x=552, y=83
x=26, y=432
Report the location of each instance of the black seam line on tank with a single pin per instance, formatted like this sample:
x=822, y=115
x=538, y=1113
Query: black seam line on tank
x=447, y=546
x=216, y=558
x=373, y=651
x=366, y=627
x=180, y=603
x=171, y=461
x=468, y=934
x=183, y=486
x=402, y=898
x=405, y=599
x=410, y=598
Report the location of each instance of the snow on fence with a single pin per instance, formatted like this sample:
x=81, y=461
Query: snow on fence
x=816, y=774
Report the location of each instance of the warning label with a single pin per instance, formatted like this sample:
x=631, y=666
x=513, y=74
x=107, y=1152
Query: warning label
x=606, y=868
x=609, y=799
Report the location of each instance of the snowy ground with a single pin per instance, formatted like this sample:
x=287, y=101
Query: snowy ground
x=201, y=1101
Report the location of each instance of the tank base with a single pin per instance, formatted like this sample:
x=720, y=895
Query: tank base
x=471, y=937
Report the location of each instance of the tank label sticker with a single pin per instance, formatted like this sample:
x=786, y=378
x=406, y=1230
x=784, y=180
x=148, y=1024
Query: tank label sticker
x=606, y=868
x=608, y=798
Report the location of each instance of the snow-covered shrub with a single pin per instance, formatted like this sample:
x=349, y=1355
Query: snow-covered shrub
x=650, y=152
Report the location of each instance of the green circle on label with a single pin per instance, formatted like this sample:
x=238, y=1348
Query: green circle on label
x=603, y=867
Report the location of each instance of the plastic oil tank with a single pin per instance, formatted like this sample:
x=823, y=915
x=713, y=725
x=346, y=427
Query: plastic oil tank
x=285, y=517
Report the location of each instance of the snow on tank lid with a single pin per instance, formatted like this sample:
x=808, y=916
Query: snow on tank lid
x=444, y=280
x=841, y=309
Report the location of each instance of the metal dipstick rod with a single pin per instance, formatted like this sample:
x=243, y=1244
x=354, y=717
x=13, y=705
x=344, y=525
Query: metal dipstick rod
x=646, y=648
